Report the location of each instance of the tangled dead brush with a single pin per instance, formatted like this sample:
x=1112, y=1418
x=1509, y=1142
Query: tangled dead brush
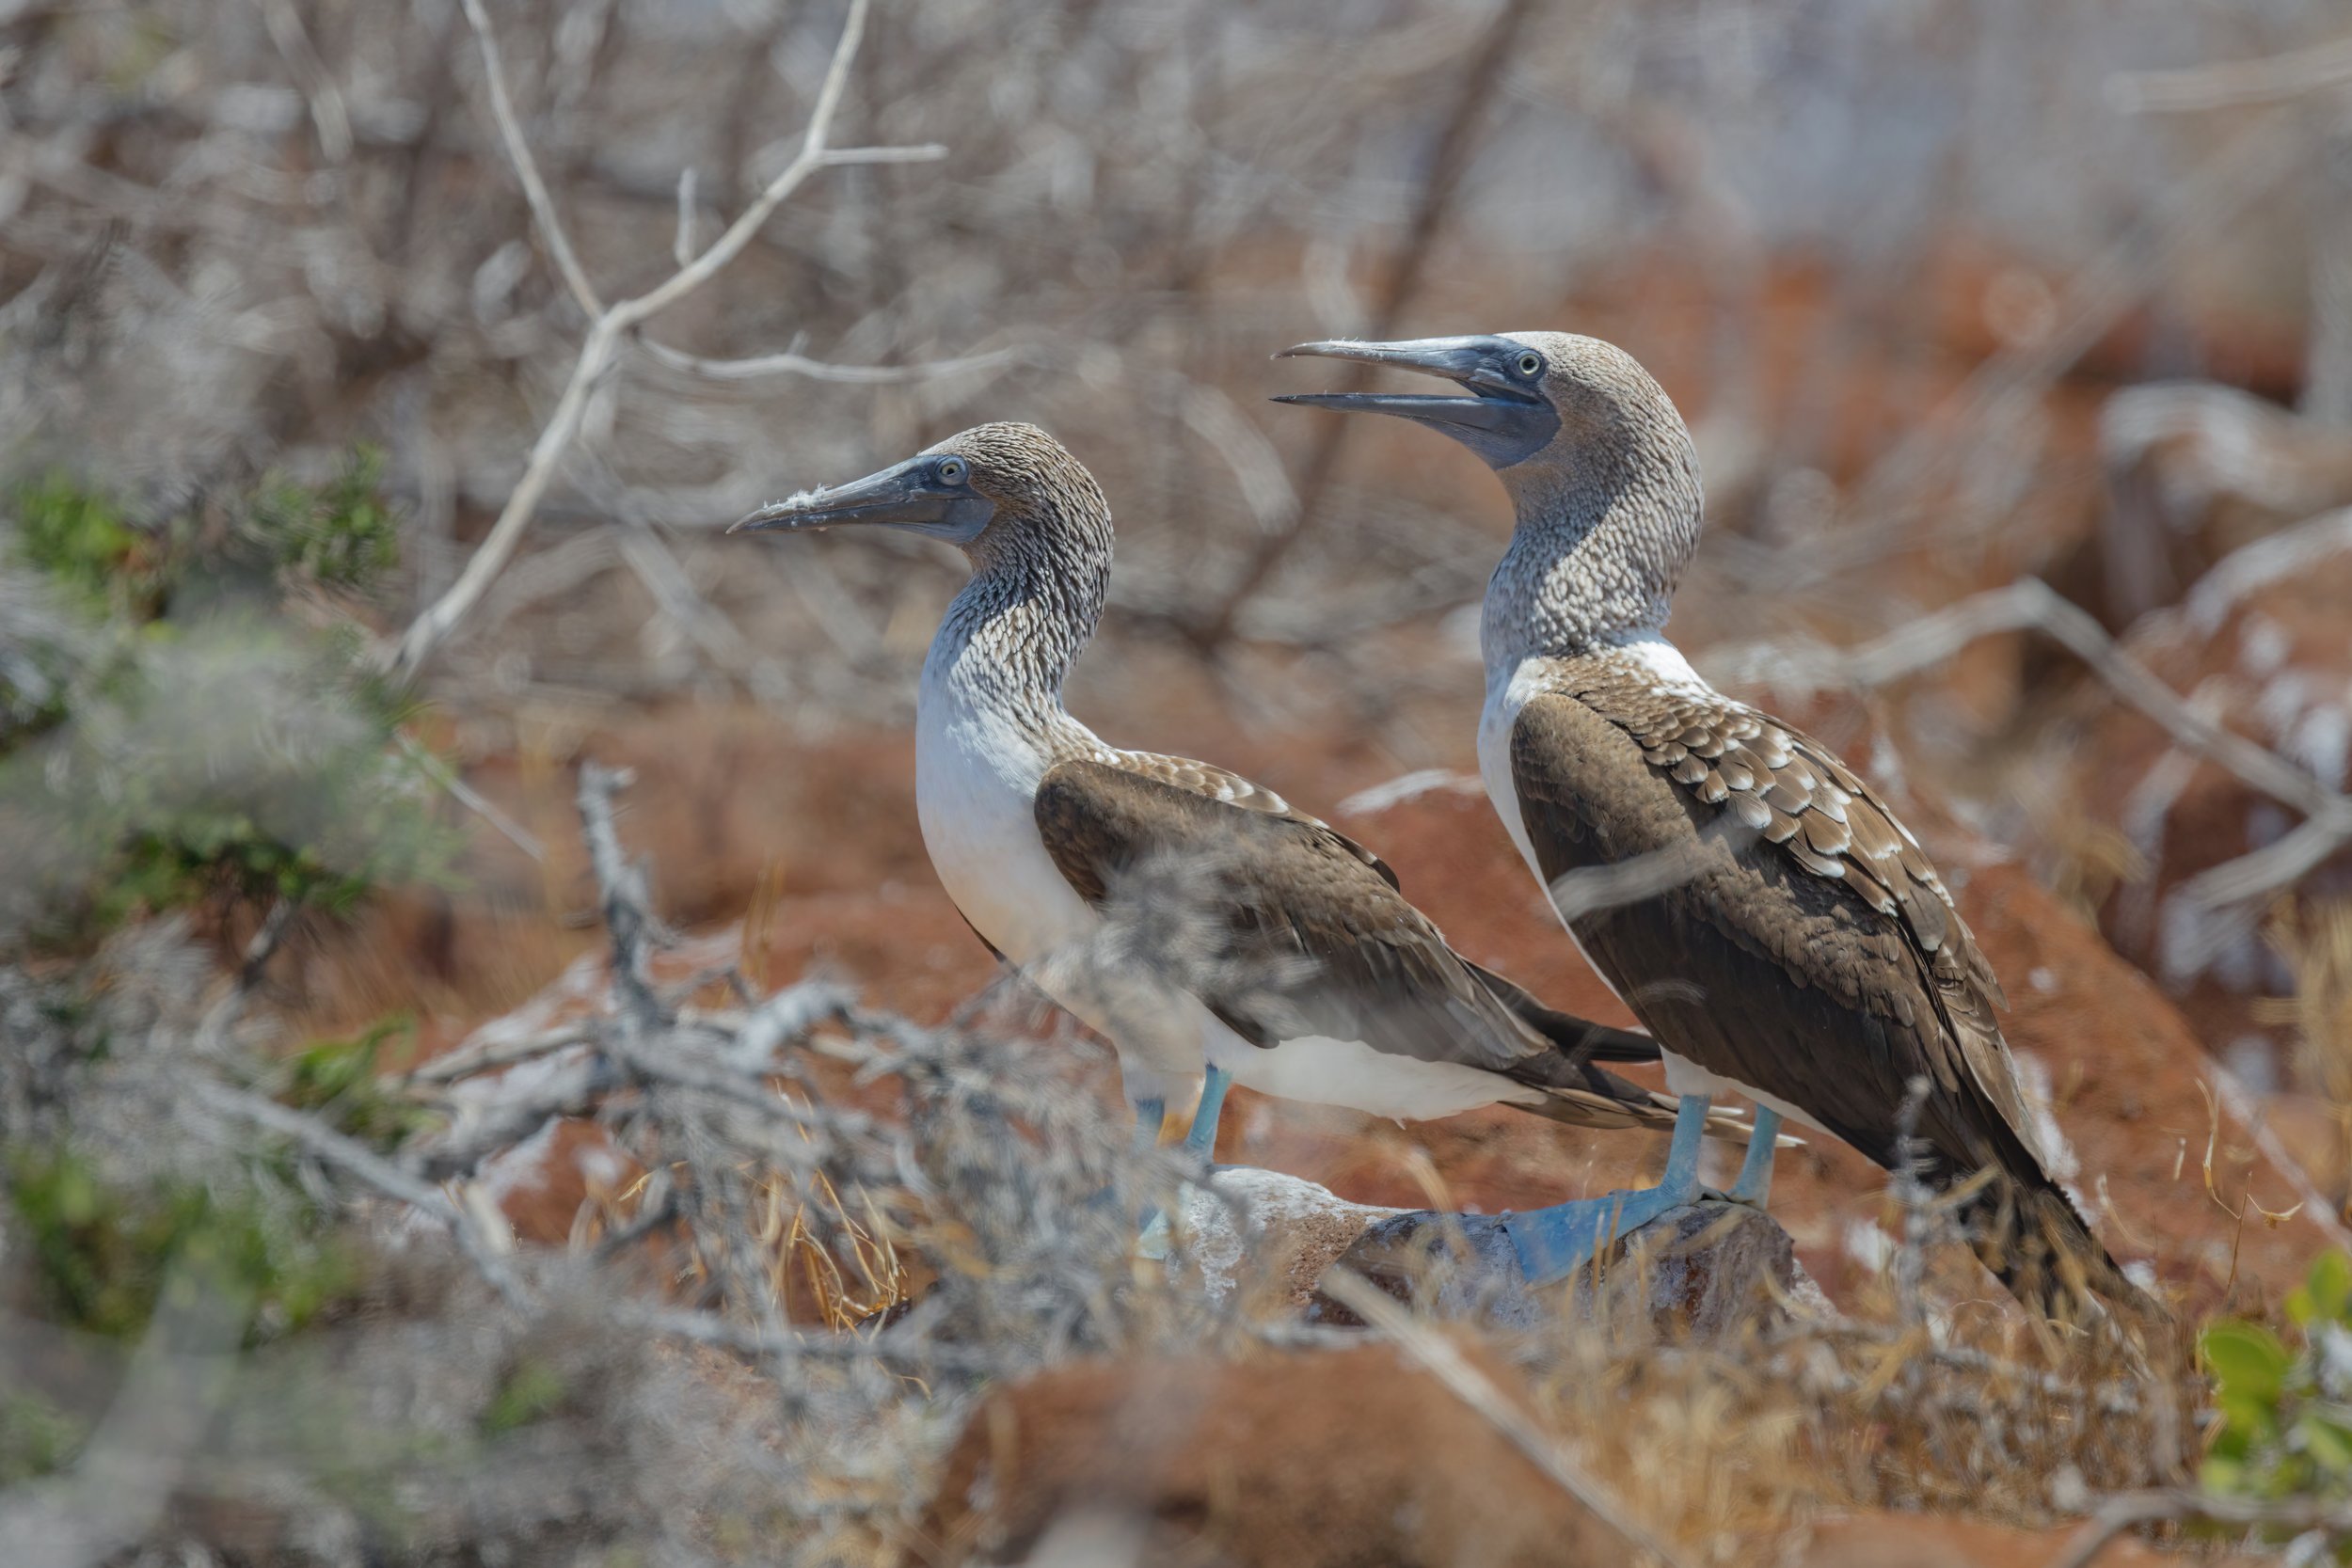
x=749, y=1402
x=1924, y=1395
x=858, y=1224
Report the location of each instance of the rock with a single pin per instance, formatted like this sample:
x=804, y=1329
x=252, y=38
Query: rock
x=1703, y=1269
x=1316, y=1460
x=1263, y=1231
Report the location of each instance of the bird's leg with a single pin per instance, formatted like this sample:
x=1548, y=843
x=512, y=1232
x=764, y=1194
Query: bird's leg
x=1151, y=1225
x=1201, y=1140
x=1553, y=1243
x=1755, y=1182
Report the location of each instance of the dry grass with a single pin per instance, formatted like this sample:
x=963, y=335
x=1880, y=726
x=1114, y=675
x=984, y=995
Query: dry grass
x=1930, y=1398
x=2314, y=937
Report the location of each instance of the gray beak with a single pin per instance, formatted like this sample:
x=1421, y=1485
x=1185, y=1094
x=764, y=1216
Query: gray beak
x=1505, y=420
x=910, y=494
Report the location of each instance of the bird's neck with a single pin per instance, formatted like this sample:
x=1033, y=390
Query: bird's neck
x=1010, y=637
x=1592, y=560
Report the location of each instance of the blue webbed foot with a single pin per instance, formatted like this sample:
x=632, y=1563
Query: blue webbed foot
x=1553, y=1243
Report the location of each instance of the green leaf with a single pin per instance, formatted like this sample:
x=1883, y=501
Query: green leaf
x=2329, y=1442
x=2222, y=1475
x=2331, y=1285
x=2246, y=1360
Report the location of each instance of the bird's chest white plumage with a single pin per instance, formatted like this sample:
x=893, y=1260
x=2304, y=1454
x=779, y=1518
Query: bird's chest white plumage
x=1507, y=692
x=976, y=778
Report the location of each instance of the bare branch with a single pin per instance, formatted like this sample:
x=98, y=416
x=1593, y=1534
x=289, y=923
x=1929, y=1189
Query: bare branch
x=2032, y=605
x=2008, y=385
x=709, y=1328
x=223, y=1015
x=683, y=246
x=371, y=1169
x=2269, y=80
x=1458, y=141
x=526, y=167
x=812, y=157
x=489, y=1055
x=612, y=326
x=2133, y=1509
x=764, y=365
x=328, y=115
x=473, y=800
x=627, y=913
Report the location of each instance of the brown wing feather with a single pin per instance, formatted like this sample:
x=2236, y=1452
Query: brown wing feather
x=1288, y=930
x=1821, y=959
x=1231, y=789
x=1580, y=1038
x=1834, y=826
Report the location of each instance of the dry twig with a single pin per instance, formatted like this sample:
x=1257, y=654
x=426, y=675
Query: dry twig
x=2133, y=1509
x=373, y=1170
x=1442, y=1360
x=612, y=326
x=2032, y=605
x=2269, y=80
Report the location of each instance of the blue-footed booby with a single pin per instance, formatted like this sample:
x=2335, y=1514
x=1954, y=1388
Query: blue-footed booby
x=1212, y=931
x=1758, y=906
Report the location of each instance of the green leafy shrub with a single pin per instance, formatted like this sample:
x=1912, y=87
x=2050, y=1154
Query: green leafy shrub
x=99, y=1254
x=78, y=538
x=222, y=752
x=338, y=533
x=2286, y=1410
x=340, y=1082
x=36, y=1437
x=531, y=1391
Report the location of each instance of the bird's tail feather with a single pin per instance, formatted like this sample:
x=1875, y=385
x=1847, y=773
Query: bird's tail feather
x=2030, y=1234
x=1580, y=1039
x=1613, y=1101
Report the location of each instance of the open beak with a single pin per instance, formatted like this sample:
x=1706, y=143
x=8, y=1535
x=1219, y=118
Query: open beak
x=907, y=495
x=1503, y=421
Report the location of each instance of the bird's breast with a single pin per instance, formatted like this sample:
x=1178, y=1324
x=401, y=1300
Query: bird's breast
x=976, y=778
x=1508, y=691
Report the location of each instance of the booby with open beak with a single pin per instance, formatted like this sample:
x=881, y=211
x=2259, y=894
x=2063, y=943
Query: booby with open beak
x=1752, y=900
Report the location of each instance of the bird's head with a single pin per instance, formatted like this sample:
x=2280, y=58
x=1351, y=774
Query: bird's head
x=1600, y=465
x=980, y=490
x=1545, y=399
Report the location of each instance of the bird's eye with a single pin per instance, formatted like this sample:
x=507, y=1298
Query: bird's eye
x=1530, y=364
x=951, y=471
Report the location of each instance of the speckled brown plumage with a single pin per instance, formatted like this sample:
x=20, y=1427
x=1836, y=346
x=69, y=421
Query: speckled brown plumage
x=1810, y=950
x=1804, y=945
x=1309, y=935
